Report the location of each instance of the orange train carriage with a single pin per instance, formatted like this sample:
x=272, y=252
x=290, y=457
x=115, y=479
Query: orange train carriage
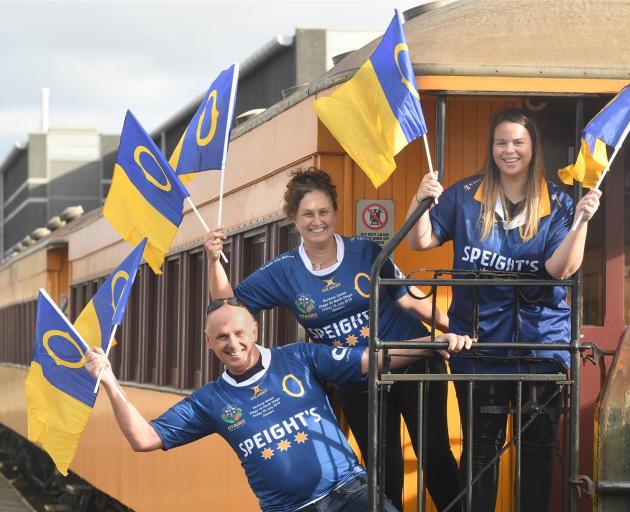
x=161, y=353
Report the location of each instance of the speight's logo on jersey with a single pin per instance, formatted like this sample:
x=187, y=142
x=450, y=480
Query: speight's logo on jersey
x=489, y=259
x=231, y=413
x=330, y=285
x=306, y=306
x=281, y=436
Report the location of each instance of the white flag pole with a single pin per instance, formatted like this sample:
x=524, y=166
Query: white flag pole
x=428, y=153
x=220, y=213
x=605, y=171
x=228, y=129
x=100, y=372
x=203, y=222
x=109, y=346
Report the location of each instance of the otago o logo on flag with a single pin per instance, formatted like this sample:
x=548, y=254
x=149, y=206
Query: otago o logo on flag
x=59, y=360
x=214, y=116
x=402, y=47
x=120, y=275
x=141, y=150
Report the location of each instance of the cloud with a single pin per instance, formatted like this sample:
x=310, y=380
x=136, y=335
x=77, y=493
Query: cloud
x=101, y=58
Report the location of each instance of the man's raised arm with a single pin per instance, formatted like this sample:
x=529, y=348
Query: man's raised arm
x=141, y=435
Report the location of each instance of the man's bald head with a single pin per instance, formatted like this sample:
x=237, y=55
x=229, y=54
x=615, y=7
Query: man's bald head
x=231, y=333
x=225, y=311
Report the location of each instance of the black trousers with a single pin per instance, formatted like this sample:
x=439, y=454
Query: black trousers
x=441, y=467
x=538, y=442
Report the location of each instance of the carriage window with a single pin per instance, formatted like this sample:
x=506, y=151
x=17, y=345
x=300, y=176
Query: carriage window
x=131, y=333
x=171, y=316
x=196, y=299
x=149, y=323
x=253, y=258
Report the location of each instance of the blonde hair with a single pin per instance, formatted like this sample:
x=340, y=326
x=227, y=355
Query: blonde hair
x=492, y=183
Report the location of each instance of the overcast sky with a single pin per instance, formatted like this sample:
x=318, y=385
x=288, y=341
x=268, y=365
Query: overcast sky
x=101, y=58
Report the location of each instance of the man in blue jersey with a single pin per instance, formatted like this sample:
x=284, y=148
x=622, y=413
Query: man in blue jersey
x=272, y=409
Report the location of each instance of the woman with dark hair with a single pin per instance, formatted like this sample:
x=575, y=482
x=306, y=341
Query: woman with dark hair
x=508, y=218
x=325, y=284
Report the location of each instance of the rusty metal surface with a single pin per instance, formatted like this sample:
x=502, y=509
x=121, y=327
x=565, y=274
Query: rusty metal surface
x=612, y=434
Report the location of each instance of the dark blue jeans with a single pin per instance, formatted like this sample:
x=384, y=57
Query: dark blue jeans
x=537, y=445
x=350, y=497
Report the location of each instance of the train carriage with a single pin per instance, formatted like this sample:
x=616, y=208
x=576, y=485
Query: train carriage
x=471, y=59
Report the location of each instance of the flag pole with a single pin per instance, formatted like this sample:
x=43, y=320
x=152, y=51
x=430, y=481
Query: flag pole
x=220, y=213
x=100, y=372
x=428, y=153
x=203, y=222
x=605, y=171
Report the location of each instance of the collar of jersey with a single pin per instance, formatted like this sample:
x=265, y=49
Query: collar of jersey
x=325, y=271
x=543, y=210
x=265, y=355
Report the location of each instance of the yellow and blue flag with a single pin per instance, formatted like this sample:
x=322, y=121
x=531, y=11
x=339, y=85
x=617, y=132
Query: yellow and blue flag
x=146, y=198
x=59, y=390
x=203, y=146
x=606, y=128
x=107, y=307
x=377, y=113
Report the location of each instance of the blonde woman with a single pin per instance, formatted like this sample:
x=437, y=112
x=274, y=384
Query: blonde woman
x=508, y=218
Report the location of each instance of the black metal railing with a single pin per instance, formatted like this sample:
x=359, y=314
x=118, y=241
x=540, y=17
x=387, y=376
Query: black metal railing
x=566, y=385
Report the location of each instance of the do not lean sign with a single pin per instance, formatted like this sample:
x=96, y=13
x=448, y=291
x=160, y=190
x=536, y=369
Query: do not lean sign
x=375, y=219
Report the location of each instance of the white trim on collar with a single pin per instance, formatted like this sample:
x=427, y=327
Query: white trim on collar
x=324, y=271
x=516, y=222
x=265, y=357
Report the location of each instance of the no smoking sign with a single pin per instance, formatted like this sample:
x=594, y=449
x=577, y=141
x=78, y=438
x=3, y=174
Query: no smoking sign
x=374, y=219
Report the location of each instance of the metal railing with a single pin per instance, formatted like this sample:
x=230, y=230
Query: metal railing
x=567, y=385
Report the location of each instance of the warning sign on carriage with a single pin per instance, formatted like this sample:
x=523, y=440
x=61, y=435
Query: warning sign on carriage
x=375, y=219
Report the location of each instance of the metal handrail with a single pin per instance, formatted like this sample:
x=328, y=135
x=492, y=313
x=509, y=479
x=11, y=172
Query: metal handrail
x=379, y=382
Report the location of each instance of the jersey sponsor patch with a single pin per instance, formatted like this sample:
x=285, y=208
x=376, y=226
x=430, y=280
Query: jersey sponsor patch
x=339, y=354
x=484, y=258
x=292, y=386
x=269, y=439
x=231, y=413
x=330, y=285
x=341, y=330
x=258, y=392
x=305, y=305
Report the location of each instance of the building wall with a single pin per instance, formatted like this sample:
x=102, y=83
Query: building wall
x=262, y=86
x=60, y=168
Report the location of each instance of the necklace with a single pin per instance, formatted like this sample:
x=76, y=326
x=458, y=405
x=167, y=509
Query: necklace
x=327, y=261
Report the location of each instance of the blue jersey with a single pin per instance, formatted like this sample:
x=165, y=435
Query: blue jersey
x=333, y=308
x=279, y=422
x=544, y=315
